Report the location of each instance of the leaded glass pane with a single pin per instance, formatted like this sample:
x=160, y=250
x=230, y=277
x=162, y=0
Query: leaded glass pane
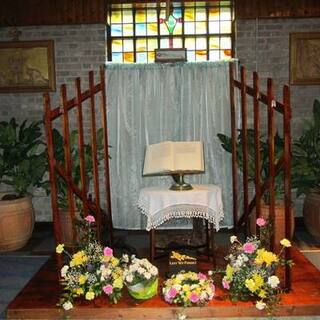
x=152, y=44
x=127, y=45
x=201, y=14
x=177, y=13
x=116, y=30
x=201, y=55
x=190, y=43
x=225, y=13
x=163, y=29
x=151, y=56
x=141, y=29
x=191, y=56
x=201, y=43
x=214, y=14
x=214, y=43
x=152, y=16
x=178, y=29
x=140, y=16
x=189, y=28
x=214, y=55
x=116, y=17
x=225, y=43
x=127, y=16
x=128, y=57
x=117, y=57
x=164, y=43
x=214, y=27
x=225, y=26
x=128, y=29
x=117, y=45
x=189, y=14
x=201, y=27
x=225, y=54
x=152, y=29
x=142, y=57
x=141, y=45
x=177, y=42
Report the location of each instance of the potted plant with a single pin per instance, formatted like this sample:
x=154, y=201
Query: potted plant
x=23, y=164
x=306, y=178
x=65, y=218
x=279, y=224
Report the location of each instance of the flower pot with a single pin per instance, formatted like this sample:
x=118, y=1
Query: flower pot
x=16, y=223
x=141, y=291
x=279, y=223
x=311, y=214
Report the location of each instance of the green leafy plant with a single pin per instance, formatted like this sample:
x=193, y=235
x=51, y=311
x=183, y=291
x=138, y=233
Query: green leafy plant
x=306, y=152
x=75, y=159
x=226, y=143
x=23, y=161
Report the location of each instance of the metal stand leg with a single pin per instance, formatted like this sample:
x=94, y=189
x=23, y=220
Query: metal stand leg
x=212, y=245
x=208, y=240
x=152, y=245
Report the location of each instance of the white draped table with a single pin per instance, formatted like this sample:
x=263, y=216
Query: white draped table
x=160, y=204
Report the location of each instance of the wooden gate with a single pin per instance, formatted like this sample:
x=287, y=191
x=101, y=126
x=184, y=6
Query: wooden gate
x=274, y=168
x=90, y=205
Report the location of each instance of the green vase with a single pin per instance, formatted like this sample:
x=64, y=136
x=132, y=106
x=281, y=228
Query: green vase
x=141, y=291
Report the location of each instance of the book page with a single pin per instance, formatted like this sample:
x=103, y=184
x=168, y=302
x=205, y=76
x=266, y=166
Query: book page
x=188, y=156
x=159, y=158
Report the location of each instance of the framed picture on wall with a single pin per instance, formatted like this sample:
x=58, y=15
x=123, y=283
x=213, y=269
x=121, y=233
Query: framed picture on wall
x=305, y=58
x=27, y=66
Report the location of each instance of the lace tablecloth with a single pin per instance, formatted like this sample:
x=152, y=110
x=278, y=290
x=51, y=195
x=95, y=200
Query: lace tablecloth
x=160, y=204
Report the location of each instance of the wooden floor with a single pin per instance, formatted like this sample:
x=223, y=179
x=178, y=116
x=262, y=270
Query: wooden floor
x=38, y=300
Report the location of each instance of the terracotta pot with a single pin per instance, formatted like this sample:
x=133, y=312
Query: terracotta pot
x=279, y=223
x=311, y=214
x=16, y=223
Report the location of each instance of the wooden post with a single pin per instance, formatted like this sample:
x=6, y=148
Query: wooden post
x=287, y=178
x=81, y=148
x=67, y=157
x=94, y=155
x=244, y=134
x=103, y=107
x=257, y=143
x=271, y=104
x=52, y=176
x=234, y=148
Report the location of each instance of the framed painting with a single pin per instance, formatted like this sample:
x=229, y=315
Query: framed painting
x=305, y=58
x=27, y=66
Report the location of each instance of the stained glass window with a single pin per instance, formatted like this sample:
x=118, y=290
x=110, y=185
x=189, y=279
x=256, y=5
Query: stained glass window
x=135, y=30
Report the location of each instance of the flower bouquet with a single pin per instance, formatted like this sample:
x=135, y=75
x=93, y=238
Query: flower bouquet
x=140, y=277
x=188, y=289
x=250, y=272
x=89, y=272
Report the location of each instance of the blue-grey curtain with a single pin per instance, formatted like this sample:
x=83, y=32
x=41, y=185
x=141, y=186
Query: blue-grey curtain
x=150, y=103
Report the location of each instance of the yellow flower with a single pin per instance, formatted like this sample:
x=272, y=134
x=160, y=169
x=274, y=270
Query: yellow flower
x=79, y=291
x=118, y=283
x=186, y=287
x=266, y=257
x=59, y=248
x=285, y=242
x=229, y=272
x=114, y=261
x=90, y=295
x=250, y=284
x=262, y=293
x=258, y=280
x=78, y=259
x=82, y=279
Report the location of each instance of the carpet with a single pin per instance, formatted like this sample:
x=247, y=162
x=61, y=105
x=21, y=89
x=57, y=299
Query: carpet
x=15, y=272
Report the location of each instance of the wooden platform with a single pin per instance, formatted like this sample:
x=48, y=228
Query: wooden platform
x=38, y=300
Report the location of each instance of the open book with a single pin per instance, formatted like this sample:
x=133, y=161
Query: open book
x=169, y=157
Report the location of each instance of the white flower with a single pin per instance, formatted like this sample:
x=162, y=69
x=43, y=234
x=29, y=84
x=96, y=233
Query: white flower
x=67, y=305
x=260, y=305
x=233, y=239
x=64, y=271
x=210, y=273
x=273, y=281
x=125, y=258
x=154, y=270
x=147, y=275
x=129, y=278
x=140, y=270
x=181, y=316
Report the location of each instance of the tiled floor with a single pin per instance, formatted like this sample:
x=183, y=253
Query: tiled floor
x=18, y=266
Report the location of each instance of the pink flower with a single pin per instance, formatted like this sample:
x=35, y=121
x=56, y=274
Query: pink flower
x=249, y=247
x=194, y=298
x=261, y=222
x=90, y=218
x=172, y=293
x=201, y=276
x=225, y=284
x=107, y=252
x=108, y=289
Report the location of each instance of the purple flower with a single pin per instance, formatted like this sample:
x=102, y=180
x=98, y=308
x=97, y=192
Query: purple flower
x=261, y=222
x=90, y=218
x=89, y=267
x=194, y=298
x=225, y=284
x=249, y=247
x=107, y=252
x=201, y=276
x=108, y=289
